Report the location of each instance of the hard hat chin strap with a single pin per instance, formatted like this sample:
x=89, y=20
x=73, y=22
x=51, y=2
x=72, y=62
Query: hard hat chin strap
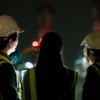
x=91, y=51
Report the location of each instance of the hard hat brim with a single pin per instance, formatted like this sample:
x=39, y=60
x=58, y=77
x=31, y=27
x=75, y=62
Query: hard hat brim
x=82, y=43
x=21, y=31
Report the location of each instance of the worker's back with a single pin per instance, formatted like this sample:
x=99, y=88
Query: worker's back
x=50, y=84
x=49, y=80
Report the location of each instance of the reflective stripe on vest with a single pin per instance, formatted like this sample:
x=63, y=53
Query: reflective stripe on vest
x=97, y=68
x=29, y=83
x=4, y=60
x=29, y=86
x=72, y=77
x=33, y=84
x=74, y=81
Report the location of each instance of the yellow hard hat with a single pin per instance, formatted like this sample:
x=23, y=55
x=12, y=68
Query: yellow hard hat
x=8, y=25
x=92, y=40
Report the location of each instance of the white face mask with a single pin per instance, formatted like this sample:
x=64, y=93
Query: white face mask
x=86, y=59
x=13, y=48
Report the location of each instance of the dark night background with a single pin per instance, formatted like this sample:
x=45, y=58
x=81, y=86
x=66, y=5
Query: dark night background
x=72, y=20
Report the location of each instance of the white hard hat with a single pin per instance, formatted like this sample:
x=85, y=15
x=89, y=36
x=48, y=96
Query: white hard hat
x=92, y=40
x=8, y=25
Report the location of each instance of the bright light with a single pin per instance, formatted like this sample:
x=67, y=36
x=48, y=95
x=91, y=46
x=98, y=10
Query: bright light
x=78, y=61
x=84, y=60
x=29, y=65
x=35, y=43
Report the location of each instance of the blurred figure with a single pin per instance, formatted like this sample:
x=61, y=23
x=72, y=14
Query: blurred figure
x=49, y=79
x=9, y=33
x=91, y=51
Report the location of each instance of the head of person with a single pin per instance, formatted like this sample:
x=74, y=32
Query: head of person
x=91, y=47
x=49, y=66
x=50, y=48
x=9, y=32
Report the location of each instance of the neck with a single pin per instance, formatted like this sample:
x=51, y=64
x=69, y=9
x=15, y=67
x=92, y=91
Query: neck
x=4, y=51
x=93, y=59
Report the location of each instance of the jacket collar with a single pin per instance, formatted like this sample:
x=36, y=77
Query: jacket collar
x=5, y=56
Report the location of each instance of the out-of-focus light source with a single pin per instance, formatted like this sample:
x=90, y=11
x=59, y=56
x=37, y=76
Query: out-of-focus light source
x=29, y=65
x=78, y=61
x=84, y=60
x=35, y=43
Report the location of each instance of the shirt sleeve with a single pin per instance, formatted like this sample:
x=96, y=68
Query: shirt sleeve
x=16, y=56
x=91, y=85
x=8, y=82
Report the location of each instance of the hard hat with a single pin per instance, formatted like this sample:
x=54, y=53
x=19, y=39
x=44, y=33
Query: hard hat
x=92, y=40
x=8, y=25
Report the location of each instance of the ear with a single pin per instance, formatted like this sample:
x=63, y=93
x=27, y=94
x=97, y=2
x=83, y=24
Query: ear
x=86, y=52
x=10, y=42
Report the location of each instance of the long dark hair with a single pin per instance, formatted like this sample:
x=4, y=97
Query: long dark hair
x=50, y=72
x=50, y=48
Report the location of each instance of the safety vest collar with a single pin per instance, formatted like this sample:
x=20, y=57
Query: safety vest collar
x=98, y=60
x=4, y=56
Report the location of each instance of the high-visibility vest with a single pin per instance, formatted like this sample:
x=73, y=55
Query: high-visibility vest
x=96, y=66
x=5, y=60
x=29, y=83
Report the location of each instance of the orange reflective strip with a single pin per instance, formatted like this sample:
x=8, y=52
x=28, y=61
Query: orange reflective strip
x=5, y=58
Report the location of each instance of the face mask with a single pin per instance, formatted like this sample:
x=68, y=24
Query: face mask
x=13, y=48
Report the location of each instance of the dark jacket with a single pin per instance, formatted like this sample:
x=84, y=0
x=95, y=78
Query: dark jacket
x=91, y=87
x=8, y=79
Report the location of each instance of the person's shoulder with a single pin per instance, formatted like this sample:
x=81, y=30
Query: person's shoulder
x=7, y=69
x=32, y=69
x=92, y=69
x=28, y=71
x=6, y=65
x=65, y=66
x=70, y=70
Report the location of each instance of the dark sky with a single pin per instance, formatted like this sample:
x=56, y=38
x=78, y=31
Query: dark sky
x=72, y=20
